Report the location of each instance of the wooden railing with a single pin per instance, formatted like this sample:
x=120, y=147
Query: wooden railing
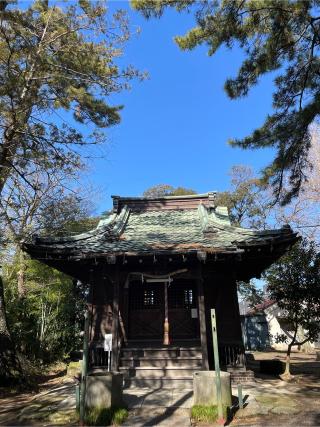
x=97, y=356
x=232, y=355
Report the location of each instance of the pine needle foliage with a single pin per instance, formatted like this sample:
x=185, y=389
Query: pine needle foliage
x=275, y=36
x=58, y=67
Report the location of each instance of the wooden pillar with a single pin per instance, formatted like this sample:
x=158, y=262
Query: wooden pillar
x=202, y=320
x=125, y=310
x=115, y=321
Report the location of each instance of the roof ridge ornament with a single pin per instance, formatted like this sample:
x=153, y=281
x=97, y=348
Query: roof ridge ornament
x=204, y=220
x=117, y=226
x=115, y=203
x=121, y=221
x=212, y=195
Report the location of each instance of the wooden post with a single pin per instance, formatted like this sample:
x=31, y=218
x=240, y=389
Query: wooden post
x=115, y=322
x=166, y=340
x=220, y=420
x=125, y=315
x=202, y=321
x=84, y=367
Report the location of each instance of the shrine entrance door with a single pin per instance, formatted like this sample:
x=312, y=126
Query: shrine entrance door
x=151, y=303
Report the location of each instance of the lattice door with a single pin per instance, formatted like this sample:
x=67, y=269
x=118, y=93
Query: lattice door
x=182, y=300
x=145, y=310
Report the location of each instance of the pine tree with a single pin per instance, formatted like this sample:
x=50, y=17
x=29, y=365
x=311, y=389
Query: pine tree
x=57, y=59
x=282, y=36
x=58, y=66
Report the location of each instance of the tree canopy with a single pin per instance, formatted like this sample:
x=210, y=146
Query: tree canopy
x=246, y=201
x=294, y=283
x=161, y=190
x=59, y=58
x=59, y=64
x=281, y=37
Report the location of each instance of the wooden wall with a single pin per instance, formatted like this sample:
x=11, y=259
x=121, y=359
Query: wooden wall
x=220, y=291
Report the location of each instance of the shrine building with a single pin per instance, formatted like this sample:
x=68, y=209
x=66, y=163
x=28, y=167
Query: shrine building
x=155, y=267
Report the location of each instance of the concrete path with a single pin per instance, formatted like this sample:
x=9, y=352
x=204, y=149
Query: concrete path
x=268, y=401
x=158, y=407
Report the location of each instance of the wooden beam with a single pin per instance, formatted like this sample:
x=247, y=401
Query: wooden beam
x=115, y=321
x=202, y=320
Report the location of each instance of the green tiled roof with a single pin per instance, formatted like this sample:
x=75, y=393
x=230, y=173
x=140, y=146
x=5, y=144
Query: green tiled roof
x=140, y=231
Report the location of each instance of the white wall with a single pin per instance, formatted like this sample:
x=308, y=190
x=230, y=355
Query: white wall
x=274, y=316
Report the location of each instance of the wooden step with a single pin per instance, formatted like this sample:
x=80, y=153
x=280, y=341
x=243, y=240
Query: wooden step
x=161, y=362
x=157, y=372
x=158, y=366
x=158, y=343
x=156, y=383
x=161, y=352
x=190, y=352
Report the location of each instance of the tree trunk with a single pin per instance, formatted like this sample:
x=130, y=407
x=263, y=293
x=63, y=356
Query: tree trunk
x=21, y=274
x=4, y=331
x=10, y=367
x=287, y=370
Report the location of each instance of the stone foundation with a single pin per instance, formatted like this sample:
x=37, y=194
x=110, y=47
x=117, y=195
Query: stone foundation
x=204, y=388
x=104, y=390
x=242, y=377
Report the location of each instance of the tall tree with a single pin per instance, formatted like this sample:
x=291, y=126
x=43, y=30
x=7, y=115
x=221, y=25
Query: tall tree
x=162, y=190
x=59, y=58
x=247, y=201
x=303, y=212
x=282, y=36
x=58, y=66
x=294, y=283
x=46, y=323
x=10, y=366
x=248, y=206
x=46, y=205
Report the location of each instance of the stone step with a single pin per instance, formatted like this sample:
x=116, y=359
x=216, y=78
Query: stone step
x=156, y=383
x=161, y=352
x=159, y=344
x=157, y=372
x=161, y=362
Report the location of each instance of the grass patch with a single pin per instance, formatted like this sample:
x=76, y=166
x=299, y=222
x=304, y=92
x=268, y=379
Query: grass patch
x=64, y=418
x=74, y=369
x=106, y=416
x=207, y=414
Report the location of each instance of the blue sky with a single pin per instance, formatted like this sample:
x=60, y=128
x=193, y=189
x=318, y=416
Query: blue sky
x=176, y=124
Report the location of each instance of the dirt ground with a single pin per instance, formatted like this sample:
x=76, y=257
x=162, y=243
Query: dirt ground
x=13, y=403
x=269, y=401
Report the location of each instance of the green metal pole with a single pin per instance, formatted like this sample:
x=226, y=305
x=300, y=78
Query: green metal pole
x=77, y=397
x=84, y=367
x=220, y=420
x=240, y=398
